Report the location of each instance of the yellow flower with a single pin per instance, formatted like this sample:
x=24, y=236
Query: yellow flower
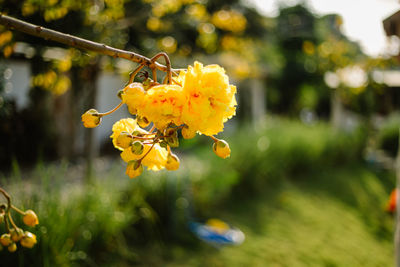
x=172, y=162
x=5, y=240
x=12, y=247
x=221, y=149
x=91, y=118
x=210, y=98
x=133, y=96
x=188, y=133
x=134, y=169
x=163, y=105
x=28, y=240
x=30, y=218
x=157, y=157
x=123, y=125
x=155, y=160
x=124, y=140
x=16, y=234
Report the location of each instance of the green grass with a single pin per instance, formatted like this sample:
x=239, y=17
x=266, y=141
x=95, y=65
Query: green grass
x=301, y=195
x=330, y=219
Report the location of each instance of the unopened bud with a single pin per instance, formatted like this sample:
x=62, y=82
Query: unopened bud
x=221, y=149
x=16, y=234
x=12, y=247
x=119, y=94
x=172, y=141
x=134, y=89
x=137, y=148
x=28, y=240
x=124, y=140
x=172, y=162
x=163, y=144
x=170, y=132
x=136, y=133
x=134, y=168
x=143, y=122
x=30, y=218
x=5, y=240
x=91, y=118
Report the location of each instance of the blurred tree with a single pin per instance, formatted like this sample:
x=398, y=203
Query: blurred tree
x=229, y=29
x=311, y=47
x=50, y=68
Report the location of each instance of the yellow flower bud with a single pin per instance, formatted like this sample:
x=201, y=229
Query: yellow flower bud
x=134, y=168
x=119, y=94
x=12, y=247
x=143, y=122
x=28, y=240
x=172, y=141
x=172, y=162
x=170, y=132
x=124, y=140
x=91, y=118
x=1, y=218
x=134, y=89
x=30, y=218
x=5, y=240
x=221, y=149
x=188, y=133
x=171, y=137
x=132, y=110
x=137, y=148
x=16, y=234
x=137, y=133
x=132, y=96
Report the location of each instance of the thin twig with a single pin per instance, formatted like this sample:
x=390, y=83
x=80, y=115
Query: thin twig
x=12, y=221
x=133, y=74
x=167, y=63
x=7, y=196
x=214, y=138
x=111, y=111
x=17, y=210
x=77, y=42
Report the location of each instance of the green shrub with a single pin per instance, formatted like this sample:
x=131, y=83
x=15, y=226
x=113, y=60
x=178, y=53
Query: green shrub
x=388, y=135
x=80, y=223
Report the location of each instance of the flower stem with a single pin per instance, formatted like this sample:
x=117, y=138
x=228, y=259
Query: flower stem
x=111, y=111
x=134, y=73
x=155, y=141
x=7, y=196
x=214, y=138
x=12, y=221
x=17, y=210
x=168, y=64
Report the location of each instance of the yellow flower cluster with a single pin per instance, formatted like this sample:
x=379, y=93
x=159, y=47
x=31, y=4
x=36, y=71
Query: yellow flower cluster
x=16, y=234
x=156, y=156
x=210, y=99
x=198, y=100
x=202, y=99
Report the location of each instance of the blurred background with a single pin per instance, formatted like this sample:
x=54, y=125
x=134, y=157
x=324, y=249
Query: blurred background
x=313, y=142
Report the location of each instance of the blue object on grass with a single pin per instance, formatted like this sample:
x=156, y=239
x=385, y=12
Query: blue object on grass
x=217, y=233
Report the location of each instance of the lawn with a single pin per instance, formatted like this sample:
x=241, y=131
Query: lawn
x=332, y=219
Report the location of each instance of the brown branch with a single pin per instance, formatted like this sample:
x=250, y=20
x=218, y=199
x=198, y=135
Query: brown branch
x=7, y=196
x=76, y=42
